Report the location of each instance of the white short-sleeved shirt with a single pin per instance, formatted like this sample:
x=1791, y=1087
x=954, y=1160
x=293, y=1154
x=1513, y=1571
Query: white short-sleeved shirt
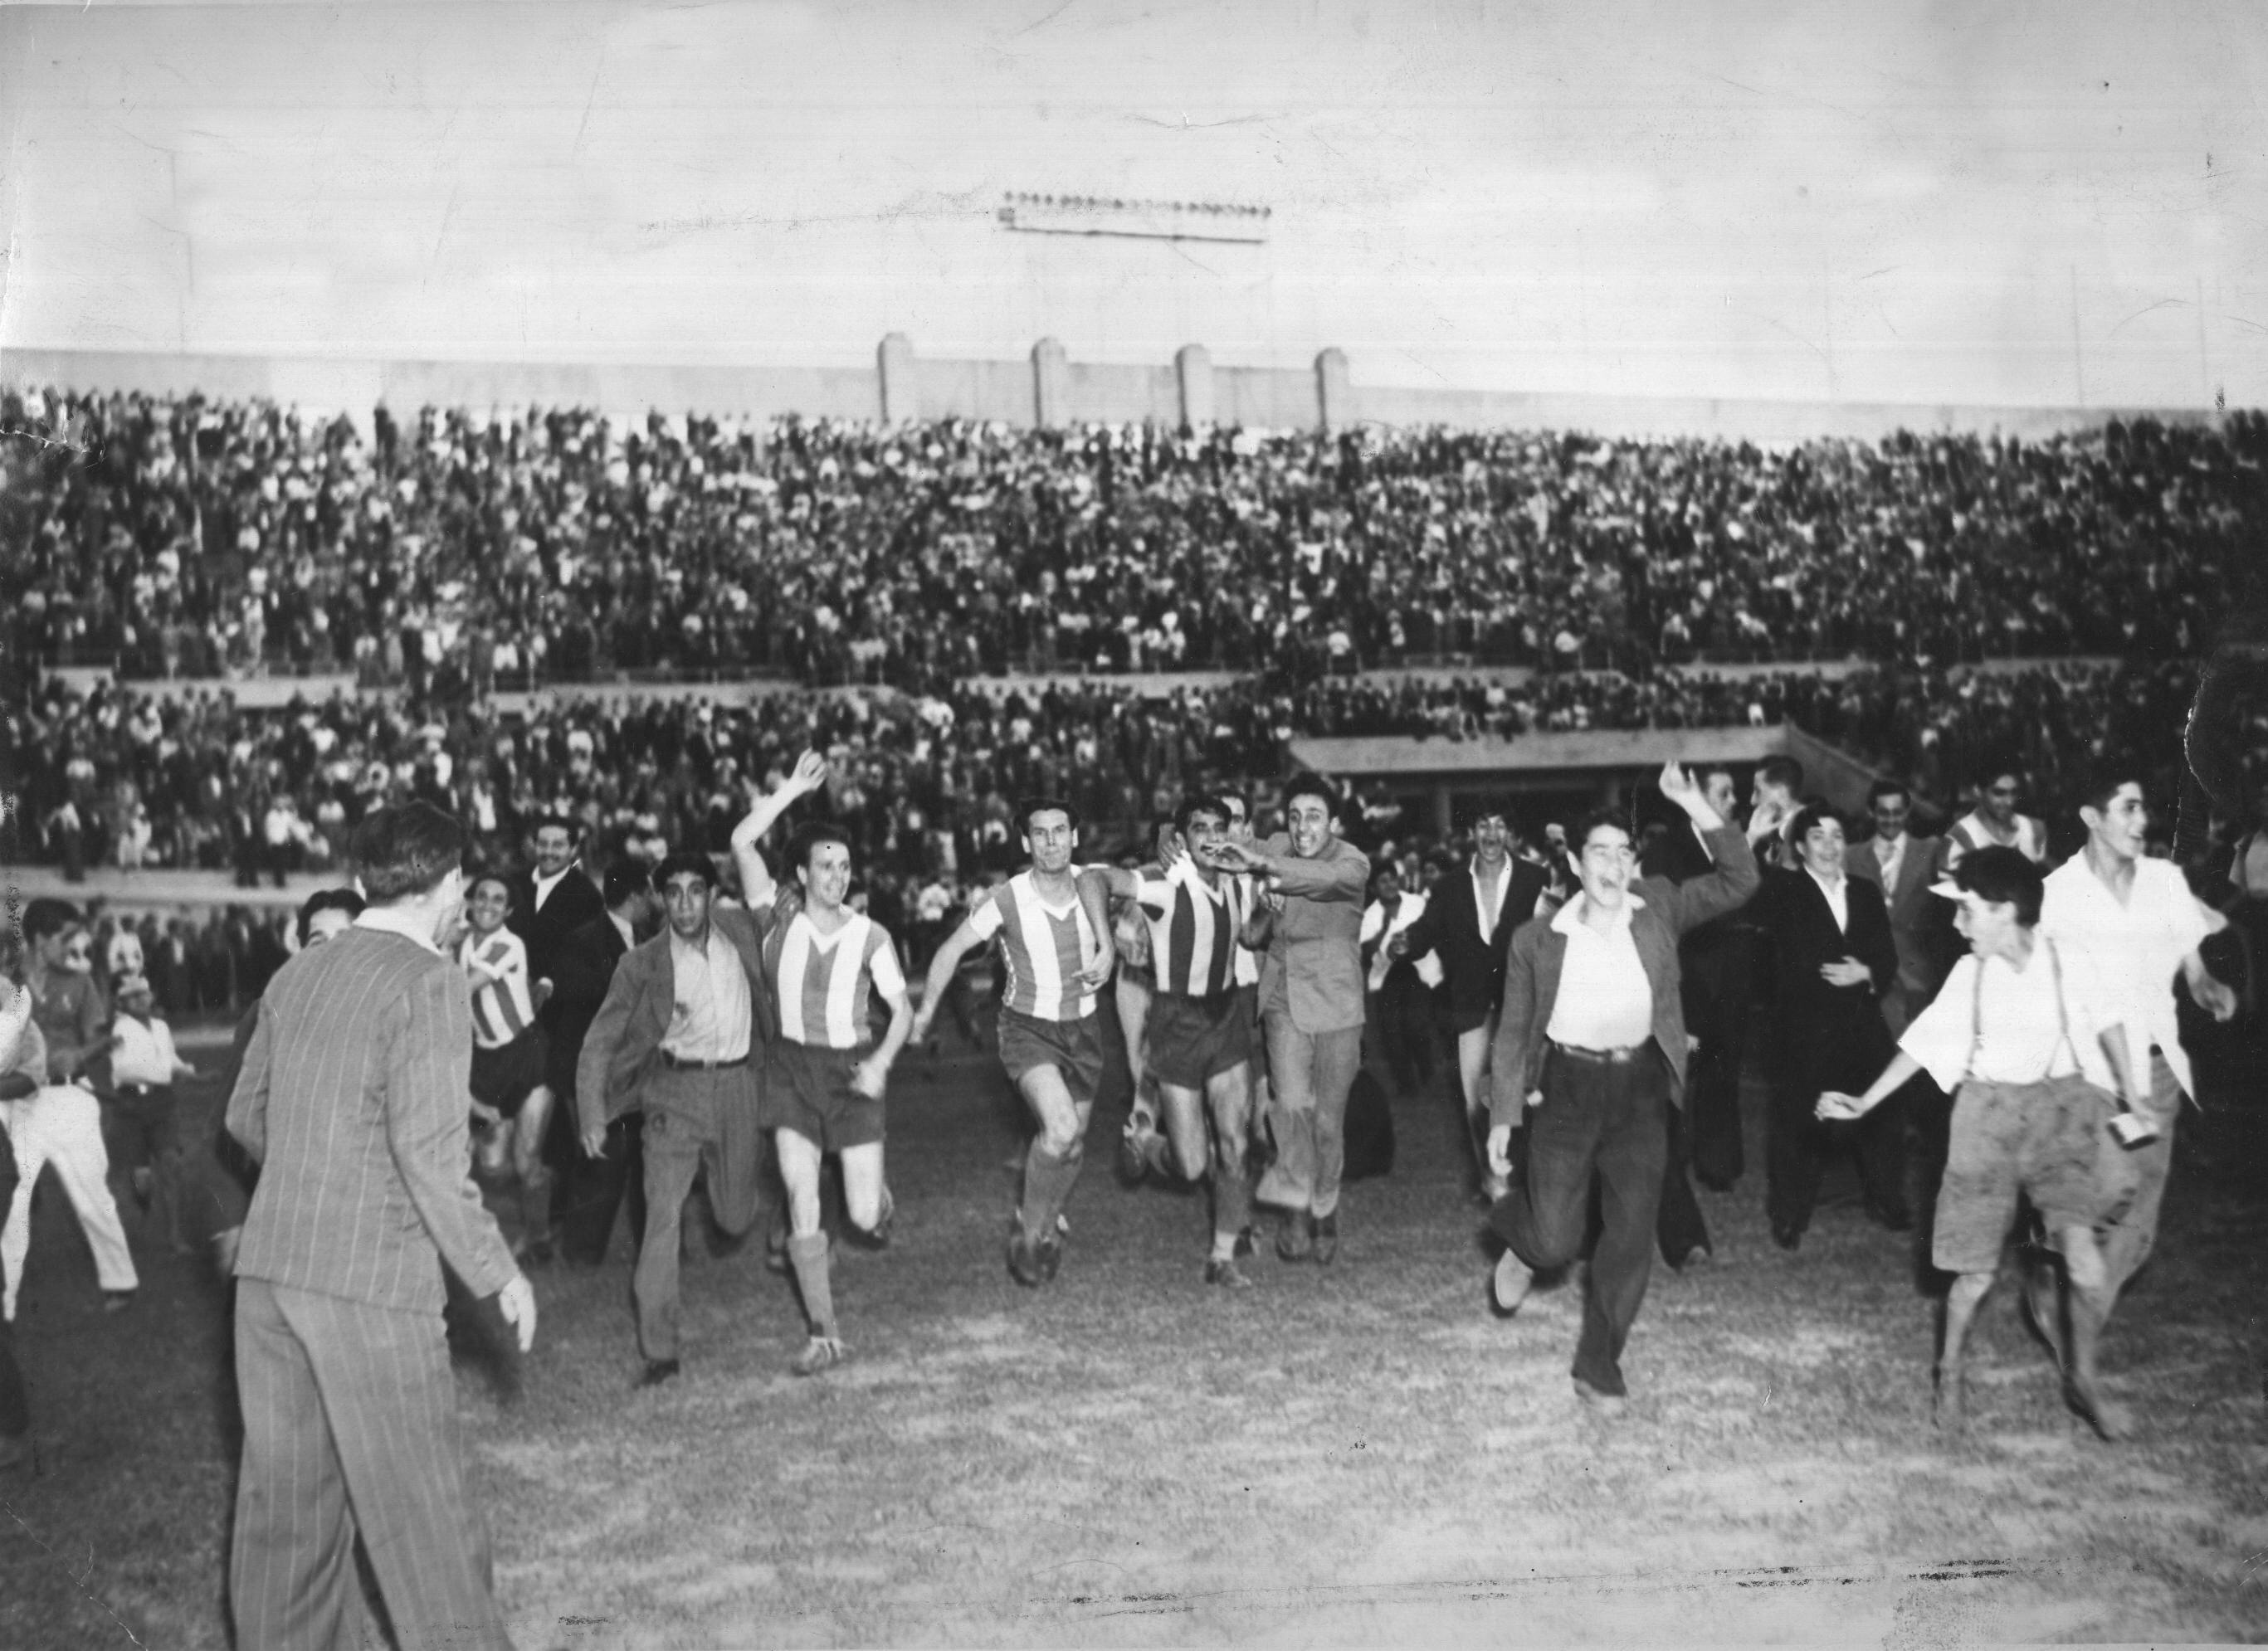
x=2001, y=1024
x=2133, y=949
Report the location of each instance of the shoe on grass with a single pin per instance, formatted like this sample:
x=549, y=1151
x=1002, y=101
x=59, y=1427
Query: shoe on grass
x=1510, y=1284
x=1327, y=1239
x=1598, y=1402
x=820, y=1352
x=1023, y=1261
x=658, y=1371
x=1297, y=1241
x=1132, y=1165
x=1227, y=1274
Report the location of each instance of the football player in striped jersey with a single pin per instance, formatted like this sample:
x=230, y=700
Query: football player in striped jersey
x=824, y=964
x=1053, y=925
x=509, y=1053
x=1200, y=1026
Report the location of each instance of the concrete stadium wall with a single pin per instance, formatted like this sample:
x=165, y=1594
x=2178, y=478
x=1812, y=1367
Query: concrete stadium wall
x=1044, y=390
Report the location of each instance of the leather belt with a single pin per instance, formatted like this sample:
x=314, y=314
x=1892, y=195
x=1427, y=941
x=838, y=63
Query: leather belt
x=678, y=1064
x=1621, y=1057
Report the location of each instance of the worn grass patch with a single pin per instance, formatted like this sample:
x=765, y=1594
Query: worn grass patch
x=1338, y=1457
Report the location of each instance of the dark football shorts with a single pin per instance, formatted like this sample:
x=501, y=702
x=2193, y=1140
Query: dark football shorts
x=807, y=1089
x=1072, y=1047
x=1193, y=1039
x=504, y=1077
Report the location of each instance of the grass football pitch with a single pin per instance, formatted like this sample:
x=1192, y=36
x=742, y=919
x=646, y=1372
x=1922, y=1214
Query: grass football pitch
x=1360, y=1454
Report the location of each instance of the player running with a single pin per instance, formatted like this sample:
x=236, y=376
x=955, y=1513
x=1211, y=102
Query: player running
x=1054, y=930
x=1200, y=1024
x=824, y=964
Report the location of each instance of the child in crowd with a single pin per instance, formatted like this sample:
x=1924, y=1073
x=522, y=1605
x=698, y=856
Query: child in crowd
x=143, y=1064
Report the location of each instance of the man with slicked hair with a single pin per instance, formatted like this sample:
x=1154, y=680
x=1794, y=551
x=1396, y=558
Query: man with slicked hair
x=352, y=1099
x=1307, y=928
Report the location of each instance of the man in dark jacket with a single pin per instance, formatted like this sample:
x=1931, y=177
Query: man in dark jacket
x=1468, y=924
x=1833, y=958
x=1592, y=1038
x=594, y=1187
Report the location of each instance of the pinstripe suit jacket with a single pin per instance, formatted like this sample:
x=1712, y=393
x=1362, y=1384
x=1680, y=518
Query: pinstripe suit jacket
x=353, y=1097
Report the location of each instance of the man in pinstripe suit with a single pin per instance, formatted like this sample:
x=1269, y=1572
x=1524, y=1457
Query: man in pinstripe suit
x=352, y=1099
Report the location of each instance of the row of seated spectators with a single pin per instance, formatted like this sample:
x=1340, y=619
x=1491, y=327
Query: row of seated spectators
x=926, y=782
x=453, y=549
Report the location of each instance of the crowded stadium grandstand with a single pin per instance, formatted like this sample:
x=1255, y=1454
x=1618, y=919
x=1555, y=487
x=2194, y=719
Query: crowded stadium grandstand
x=1976, y=599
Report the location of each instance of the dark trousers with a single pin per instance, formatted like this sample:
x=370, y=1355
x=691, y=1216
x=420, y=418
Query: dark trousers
x=1679, y=1228
x=1717, y=990
x=592, y=1190
x=1403, y=1020
x=1802, y=1146
x=1602, y=1124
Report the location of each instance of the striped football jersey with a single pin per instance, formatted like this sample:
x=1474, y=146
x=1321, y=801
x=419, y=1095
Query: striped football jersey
x=1044, y=949
x=497, y=968
x=1193, y=925
x=823, y=984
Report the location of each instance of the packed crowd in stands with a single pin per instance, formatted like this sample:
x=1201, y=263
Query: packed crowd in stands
x=462, y=553
x=455, y=549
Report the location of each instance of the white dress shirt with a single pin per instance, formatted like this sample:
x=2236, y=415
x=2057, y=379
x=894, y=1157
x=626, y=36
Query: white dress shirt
x=1838, y=897
x=1378, y=927
x=709, y=1021
x=1890, y=855
x=2134, y=950
x=144, y=1052
x=544, y=886
x=1605, y=1000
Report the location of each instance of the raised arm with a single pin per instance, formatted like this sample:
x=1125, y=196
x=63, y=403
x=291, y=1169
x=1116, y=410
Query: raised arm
x=1735, y=877
x=757, y=885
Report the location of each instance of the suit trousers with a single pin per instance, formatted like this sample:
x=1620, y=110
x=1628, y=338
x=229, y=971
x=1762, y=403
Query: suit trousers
x=592, y=1190
x=1802, y=1143
x=1402, y=1017
x=61, y=1125
x=1717, y=992
x=1679, y=1228
x=1602, y=1123
x=695, y=1121
x=351, y=1429
x=1312, y=1073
